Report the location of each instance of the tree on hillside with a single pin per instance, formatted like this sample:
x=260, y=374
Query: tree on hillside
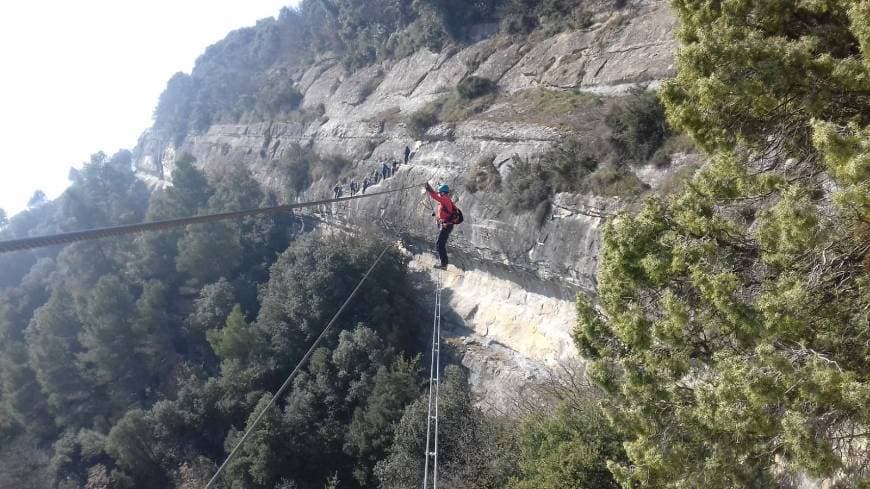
x=188, y=196
x=124, y=342
x=568, y=449
x=370, y=433
x=468, y=453
x=37, y=199
x=24, y=405
x=732, y=332
x=312, y=278
x=53, y=346
x=173, y=111
x=105, y=193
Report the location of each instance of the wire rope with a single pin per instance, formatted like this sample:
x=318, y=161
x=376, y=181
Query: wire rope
x=98, y=233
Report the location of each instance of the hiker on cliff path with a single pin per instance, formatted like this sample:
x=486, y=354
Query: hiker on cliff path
x=443, y=214
x=407, y=154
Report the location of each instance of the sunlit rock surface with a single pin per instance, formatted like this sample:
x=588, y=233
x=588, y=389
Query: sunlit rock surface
x=511, y=300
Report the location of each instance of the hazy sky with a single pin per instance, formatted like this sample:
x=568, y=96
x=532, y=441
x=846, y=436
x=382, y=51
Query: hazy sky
x=80, y=77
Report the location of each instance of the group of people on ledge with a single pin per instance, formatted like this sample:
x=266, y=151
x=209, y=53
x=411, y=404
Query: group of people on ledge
x=382, y=171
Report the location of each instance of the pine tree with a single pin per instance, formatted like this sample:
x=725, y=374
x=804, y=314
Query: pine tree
x=730, y=332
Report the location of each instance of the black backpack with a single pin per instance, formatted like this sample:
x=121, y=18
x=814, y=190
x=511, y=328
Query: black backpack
x=455, y=216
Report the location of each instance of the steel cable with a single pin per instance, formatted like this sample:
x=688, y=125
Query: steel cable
x=91, y=234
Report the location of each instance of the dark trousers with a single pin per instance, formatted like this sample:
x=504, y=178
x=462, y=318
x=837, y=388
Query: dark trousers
x=442, y=242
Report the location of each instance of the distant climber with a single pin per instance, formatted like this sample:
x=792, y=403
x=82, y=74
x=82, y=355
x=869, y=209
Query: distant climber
x=336, y=191
x=353, y=187
x=407, y=154
x=395, y=166
x=365, y=185
x=385, y=170
x=447, y=215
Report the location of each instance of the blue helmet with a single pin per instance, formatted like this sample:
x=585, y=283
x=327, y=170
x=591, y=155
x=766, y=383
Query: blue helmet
x=443, y=189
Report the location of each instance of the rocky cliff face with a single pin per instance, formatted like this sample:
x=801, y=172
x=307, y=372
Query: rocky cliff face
x=512, y=297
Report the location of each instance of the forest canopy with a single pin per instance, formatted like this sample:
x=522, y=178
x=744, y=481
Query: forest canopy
x=135, y=362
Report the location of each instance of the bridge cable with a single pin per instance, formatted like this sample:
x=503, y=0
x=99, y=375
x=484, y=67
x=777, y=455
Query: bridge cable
x=91, y=234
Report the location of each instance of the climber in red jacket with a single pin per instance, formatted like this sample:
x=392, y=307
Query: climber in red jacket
x=446, y=215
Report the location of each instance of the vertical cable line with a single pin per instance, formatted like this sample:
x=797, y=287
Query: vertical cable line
x=295, y=370
x=434, y=384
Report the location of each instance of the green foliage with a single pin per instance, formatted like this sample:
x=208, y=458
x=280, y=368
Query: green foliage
x=278, y=95
x=846, y=153
x=126, y=346
x=638, y=127
x=614, y=182
x=527, y=185
x=173, y=111
x=473, y=87
x=677, y=143
x=740, y=303
x=568, y=165
x=761, y=75
x=341, y=409
x=53, y=346
x=426, y=31
x=470, y=450
x=236, y=341
x=131, y=444
x=569, y=449
x=483, y=176
x=93, y=339
x=105, y=192
x=23, y=463
x=37, y=199
x=207, y=253
x=522, y=17
x=422, y=120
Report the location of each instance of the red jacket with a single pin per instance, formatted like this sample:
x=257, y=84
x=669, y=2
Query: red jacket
x=445, y=205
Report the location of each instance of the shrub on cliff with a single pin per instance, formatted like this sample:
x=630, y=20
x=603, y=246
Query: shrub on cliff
x=527, y=185
x=474, y=86
x=422, y=120
x=522, y=17
x=614, y=181
x=638, y=127
x=570, y=448
x=568, y=165
x=483, y=176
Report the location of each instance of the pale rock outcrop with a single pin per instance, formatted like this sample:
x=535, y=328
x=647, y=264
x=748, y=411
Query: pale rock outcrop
x=520, y=272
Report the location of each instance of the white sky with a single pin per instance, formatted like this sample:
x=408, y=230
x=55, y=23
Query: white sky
x=77, y=77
